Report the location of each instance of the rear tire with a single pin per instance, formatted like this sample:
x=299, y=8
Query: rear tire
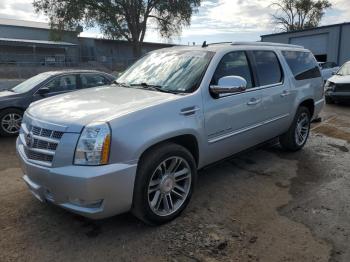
x=296, y=136
x=10, y=121
x=165, y=179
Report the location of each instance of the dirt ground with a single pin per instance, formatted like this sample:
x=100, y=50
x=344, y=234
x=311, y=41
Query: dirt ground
x=263, y=205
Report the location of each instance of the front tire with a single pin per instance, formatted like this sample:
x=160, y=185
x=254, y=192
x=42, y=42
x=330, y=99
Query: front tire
x=296, y=136
x=164, y=183
x=10, y=121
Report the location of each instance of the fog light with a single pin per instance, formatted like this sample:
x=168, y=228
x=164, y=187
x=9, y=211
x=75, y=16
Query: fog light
x=86, y=203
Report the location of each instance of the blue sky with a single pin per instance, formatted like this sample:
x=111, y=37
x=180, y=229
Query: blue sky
x=215, y=21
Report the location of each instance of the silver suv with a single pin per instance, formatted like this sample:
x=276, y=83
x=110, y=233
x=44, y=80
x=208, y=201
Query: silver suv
x=136, y=145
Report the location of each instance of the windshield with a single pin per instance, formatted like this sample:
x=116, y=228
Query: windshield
x=178, y=71
x=344, y=70
x=29, y=83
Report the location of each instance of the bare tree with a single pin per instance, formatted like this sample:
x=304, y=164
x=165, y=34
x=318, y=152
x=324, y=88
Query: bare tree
x=294, y=15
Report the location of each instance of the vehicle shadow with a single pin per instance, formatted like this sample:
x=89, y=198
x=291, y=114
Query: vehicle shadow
x=59, y=233
x=123, y=225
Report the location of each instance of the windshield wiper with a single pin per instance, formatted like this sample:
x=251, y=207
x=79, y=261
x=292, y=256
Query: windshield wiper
x=145, y=85
x=121, y=84
x=154, y=88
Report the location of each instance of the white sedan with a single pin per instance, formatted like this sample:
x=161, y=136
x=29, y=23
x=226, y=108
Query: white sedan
x=328, y=69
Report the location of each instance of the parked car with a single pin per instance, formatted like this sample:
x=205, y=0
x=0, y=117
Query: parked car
x=137, y=145
x=14, y=102
x=328, y=69
x=337, y=88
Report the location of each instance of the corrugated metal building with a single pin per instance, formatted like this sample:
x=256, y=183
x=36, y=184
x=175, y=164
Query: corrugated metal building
x=30, y=42
x=27, y=42
x=329, y=43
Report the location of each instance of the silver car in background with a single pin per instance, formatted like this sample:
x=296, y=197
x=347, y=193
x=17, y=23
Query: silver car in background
x=137, y=145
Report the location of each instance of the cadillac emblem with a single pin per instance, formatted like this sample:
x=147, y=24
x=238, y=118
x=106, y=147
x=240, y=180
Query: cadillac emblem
x=29, y=140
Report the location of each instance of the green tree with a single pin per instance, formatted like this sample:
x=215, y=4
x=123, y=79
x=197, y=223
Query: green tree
x=294, y=15
x=120, y=19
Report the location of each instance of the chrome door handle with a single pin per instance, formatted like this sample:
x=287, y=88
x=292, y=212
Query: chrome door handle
x=285, y=93
x=253, y=101
x=189, y=110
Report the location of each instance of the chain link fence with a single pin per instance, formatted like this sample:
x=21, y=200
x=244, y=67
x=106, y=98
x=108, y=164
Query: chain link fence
x=22, y=66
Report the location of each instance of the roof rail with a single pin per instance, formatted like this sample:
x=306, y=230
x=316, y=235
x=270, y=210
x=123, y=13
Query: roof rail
x=219, y=43
x=266, y=44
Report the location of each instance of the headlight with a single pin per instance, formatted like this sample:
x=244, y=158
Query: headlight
x=329, y=86
x=94, y=145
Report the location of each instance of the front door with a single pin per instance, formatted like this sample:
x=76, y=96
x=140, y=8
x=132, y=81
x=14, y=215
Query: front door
x=58, y=85
x=232, y=122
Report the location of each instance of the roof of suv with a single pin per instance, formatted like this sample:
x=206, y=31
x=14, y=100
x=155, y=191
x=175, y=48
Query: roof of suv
x=218, y=46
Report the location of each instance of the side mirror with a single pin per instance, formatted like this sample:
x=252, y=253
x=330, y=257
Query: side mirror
x=229, y=85
x=43, y=91
x=334, y=73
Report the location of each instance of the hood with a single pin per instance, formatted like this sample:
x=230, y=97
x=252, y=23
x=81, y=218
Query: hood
x=77, y=109
x=7, y=94
x=338, y=79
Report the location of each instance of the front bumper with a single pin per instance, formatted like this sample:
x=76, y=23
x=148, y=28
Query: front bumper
x=318, y=108
x=110, y=185
x=338, y=95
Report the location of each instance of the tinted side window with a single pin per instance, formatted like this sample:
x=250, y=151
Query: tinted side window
x=92, y=80
x=62, y=84
x=268, y=68
x=302, y=64
x=234, y=64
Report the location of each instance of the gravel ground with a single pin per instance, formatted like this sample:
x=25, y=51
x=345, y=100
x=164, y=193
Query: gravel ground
x=263, y=205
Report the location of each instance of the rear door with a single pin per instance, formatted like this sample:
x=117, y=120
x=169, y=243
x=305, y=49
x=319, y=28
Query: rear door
x=89, y=80
x=277, y=101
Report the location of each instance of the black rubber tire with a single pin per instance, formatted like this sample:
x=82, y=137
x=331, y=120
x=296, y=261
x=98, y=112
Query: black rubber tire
x=147, y=165
x=5, y=112
x=287, y=140
x=329, y=100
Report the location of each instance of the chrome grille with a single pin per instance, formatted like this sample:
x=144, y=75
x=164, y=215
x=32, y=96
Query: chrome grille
x=44, y=145
x=38, y=156
x=46, y=132
x=342, y=87
x=40, y=144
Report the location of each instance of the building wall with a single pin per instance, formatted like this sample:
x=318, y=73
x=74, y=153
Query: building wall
x=26, y=54
x=112, y=51
x=7, y=31
x=345, y=44
x=333, y=33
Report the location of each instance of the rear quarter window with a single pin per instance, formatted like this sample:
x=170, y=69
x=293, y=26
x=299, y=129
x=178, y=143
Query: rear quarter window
x=302, y=64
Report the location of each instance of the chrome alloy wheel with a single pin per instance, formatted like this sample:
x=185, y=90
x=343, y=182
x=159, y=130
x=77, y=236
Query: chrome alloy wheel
x=169, y=186
x=302, y=129
x=11, y=123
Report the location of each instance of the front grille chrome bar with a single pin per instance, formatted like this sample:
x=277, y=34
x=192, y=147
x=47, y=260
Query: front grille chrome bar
x=40, y=144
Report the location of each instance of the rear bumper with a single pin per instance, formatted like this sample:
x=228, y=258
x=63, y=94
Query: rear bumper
x=95, y=192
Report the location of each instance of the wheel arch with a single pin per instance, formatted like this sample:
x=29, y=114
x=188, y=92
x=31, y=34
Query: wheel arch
x=310, y=105
x=12, y=107
x=188, y=141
